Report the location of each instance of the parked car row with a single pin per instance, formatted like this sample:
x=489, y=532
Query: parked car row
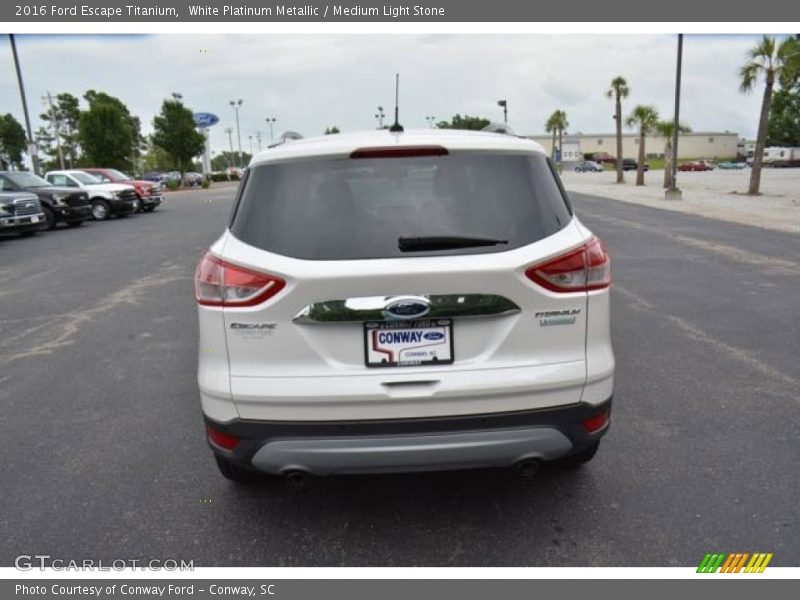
x=190, y=178
x=29, y=203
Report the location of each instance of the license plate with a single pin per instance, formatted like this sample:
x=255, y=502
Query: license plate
x=34, y=219
x=408, y=343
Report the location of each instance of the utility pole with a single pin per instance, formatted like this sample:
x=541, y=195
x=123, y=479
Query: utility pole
x=673, y=193
x=56, y=127
x=229, y=131
x=258, y=139
x=31, y=142
x=236, y=105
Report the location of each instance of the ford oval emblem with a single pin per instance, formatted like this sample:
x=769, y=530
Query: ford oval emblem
x=407, y=307
x=434, y=335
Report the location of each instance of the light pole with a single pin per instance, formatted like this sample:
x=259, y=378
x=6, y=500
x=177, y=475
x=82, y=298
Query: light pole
x=271, y=123
x=251, y=144
x=430, y=121
x=229, y=131
x=504, y=105
x=379, y=116
x=236, y=105
x=258, y=139
x=31, y=143
x=673, y=193
x=177, y=96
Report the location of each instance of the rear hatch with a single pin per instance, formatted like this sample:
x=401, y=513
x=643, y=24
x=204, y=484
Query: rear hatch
x=399, y=285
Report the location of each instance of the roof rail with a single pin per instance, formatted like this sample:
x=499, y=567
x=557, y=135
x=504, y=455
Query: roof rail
x=499, y=128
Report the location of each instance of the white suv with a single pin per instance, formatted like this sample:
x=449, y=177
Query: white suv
x=386, y=302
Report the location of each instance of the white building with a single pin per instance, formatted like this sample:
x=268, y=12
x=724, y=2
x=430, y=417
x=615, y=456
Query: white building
x=697, y=144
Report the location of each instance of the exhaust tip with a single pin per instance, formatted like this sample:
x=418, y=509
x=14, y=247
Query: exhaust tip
x=297, y=478
x=528, y=467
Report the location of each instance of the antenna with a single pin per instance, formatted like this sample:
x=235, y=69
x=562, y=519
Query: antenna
x=396, y=127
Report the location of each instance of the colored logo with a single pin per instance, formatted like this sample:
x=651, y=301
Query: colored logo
x=407, y=307
x=205, y=119
x=433, y=335
x=735, y=563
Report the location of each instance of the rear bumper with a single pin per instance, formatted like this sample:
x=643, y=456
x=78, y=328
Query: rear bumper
x=398, y=445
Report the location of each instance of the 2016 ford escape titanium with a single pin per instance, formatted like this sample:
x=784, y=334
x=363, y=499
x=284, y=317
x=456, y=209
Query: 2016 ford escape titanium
x=387, y=302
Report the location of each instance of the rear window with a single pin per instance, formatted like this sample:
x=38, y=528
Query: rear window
x=345, y=208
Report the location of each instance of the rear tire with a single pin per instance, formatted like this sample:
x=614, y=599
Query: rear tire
x=237, y=474
x=582, y=457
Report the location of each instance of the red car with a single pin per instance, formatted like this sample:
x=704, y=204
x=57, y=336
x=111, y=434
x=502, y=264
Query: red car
x=695, y=165
x=147, y=192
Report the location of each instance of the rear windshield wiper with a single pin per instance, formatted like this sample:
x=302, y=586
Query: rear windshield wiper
x=443, y=242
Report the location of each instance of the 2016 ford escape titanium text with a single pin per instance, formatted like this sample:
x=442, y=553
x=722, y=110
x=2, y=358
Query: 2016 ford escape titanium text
x=403, y=301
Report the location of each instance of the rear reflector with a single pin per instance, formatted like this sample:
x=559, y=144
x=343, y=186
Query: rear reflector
x=223, y=440
x=597, y=422
x=587, y=268
x=399, y=152
x=218, y=283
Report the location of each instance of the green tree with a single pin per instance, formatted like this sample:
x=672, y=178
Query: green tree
x=227, y=159
x=645, y=119
x=175, y=133
x=332, y=130
x=784, y=118
x=465, y=122
x=618, y=90
x=666, y=129
x=557, y=124
x=774, y=62
x=105, y=131
x=61, y=127
x=12, y=141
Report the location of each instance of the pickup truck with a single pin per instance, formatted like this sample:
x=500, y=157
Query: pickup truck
x=59, y=204
x=106, y=198
x=148, y=192
x=20, y=212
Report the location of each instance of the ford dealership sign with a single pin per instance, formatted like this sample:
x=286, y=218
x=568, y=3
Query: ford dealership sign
x=204, y=119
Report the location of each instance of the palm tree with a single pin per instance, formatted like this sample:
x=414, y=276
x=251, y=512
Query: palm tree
x=666, y=129
x=644, y=117
x=618, y=90
x=557, y=124
x=775, y=62
x=551, y=127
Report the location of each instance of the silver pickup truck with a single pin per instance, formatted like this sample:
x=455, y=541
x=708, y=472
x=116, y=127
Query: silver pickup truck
x=20, y=212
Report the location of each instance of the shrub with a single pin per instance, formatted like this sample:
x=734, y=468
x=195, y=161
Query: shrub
x=173, y=185
x=206, y=182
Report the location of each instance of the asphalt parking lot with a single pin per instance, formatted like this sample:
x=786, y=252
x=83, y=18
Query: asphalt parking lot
x=104, y=453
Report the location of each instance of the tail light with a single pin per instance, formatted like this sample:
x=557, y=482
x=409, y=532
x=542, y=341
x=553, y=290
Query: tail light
x=225, y=441
x=218, y=283
x=587, y=268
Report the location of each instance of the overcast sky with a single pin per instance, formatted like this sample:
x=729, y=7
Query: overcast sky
x=309, y=82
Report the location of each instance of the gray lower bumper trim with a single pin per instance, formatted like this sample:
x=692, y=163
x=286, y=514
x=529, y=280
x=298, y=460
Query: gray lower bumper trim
x=493, y=448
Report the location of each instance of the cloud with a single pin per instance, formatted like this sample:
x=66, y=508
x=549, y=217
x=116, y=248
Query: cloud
x=309, y=82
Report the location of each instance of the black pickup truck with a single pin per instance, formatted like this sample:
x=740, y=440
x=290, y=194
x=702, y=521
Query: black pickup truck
x=20, y=212
x=58, y=203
